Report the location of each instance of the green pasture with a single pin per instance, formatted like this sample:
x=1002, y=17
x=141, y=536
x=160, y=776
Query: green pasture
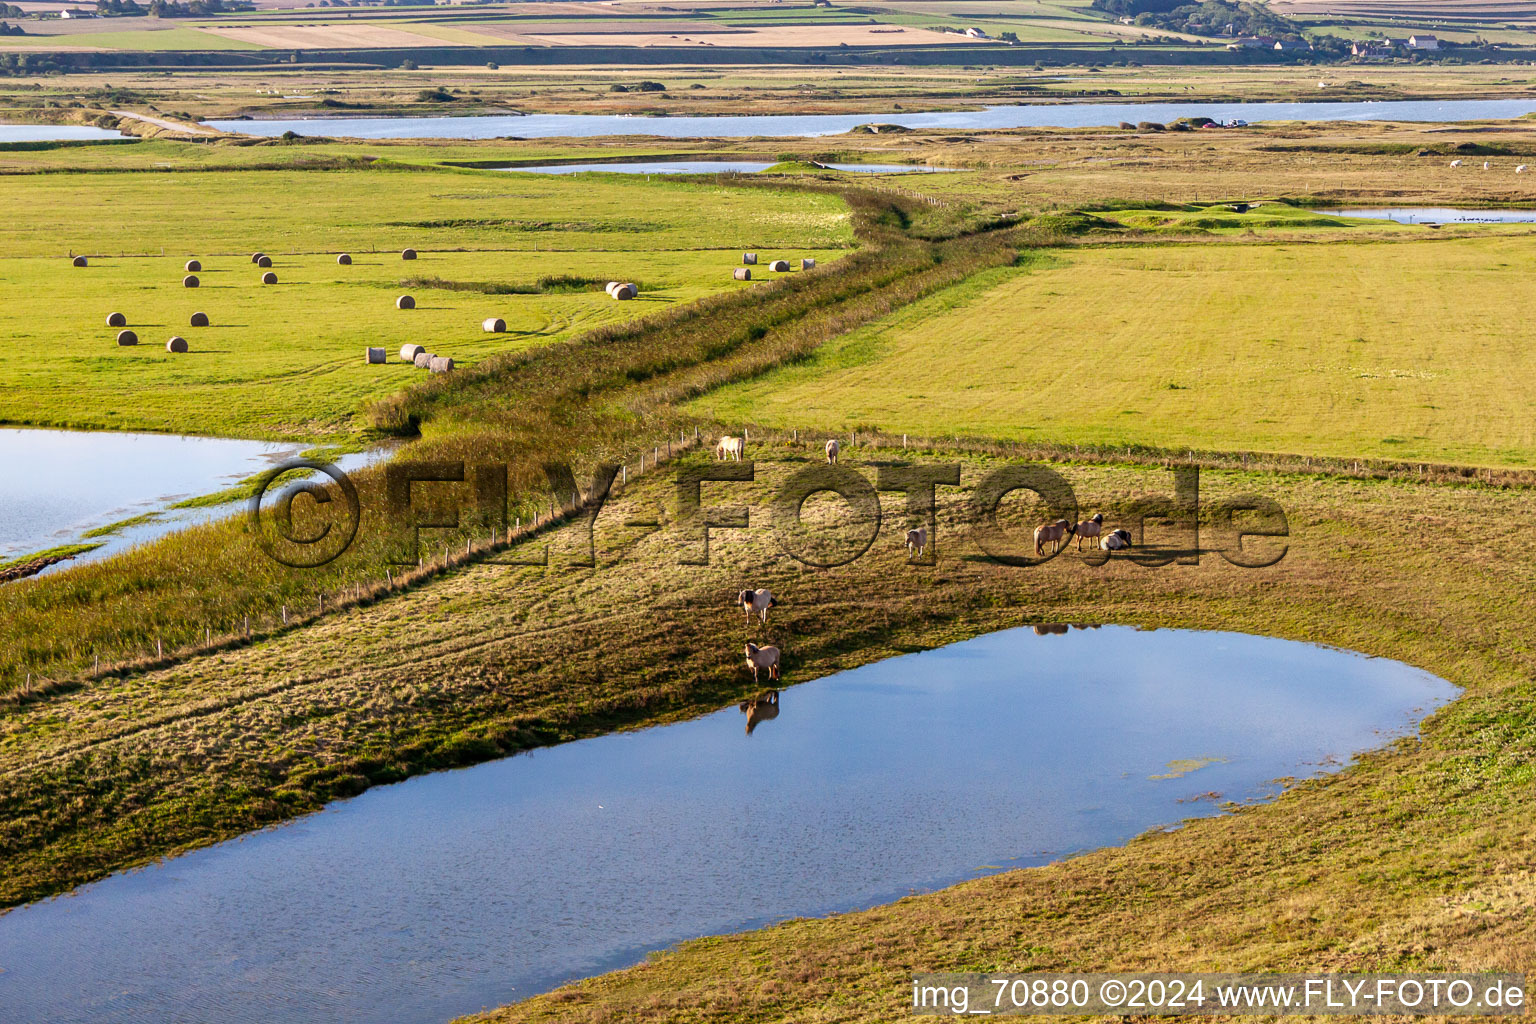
x=1418, y=350
x=287, y=360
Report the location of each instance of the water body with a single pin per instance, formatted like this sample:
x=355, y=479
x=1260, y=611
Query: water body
x=53, y=132
x=711, y=167
x=459, y=890
x=1439, y=215
x=1057, y=115
x=56, y=485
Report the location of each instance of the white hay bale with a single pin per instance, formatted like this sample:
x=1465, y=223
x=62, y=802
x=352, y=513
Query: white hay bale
x=344, y=260
x=374, y=355
x=743, y=273
x=611, y=286
x=116, y=320
x=405, y=302
x=807, y=264
x=127, y=338
x=779, y=266
x=621, y=293
x=78, y=261
x=199, y=320
x=176, y=345
x=493, y=325
x=440, y=364
x=257, y=257
x=190, y=281
x=265, y=261
x=194, y=266
x=423, y=360
x=749, y=259
x=269, y=278
x=408, y=353
x=408, y=254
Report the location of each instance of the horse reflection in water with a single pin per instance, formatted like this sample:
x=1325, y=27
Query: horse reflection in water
x=1058, y=628
x=760, y=709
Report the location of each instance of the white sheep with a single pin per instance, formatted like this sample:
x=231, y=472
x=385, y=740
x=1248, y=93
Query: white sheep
x=756, y=601
x=730, y=447
x=1520, y=169
x=1056, y=533
x=763, y=657
x=1090, y=528
x=832, y=449
x=1486, y=165
x=917, y=539
x=1455, y=163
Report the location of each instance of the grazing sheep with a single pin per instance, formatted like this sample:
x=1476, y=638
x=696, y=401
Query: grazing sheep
x=1056, y=533
x=730, y=447
x=1118, y=540
x=1455, y=163
x=832, y=449
x=1090, y=528
x=760, y=709
x=756, y=601
x=918, y=539
x=763, y=657
x=1486, y=165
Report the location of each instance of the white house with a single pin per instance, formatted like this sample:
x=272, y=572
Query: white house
x=976, y=33
x=1423, y=43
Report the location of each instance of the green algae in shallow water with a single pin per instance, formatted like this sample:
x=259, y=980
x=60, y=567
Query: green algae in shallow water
x=1181, y=767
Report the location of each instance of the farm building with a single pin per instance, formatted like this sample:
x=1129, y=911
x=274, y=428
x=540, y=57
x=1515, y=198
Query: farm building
x=1422, y=42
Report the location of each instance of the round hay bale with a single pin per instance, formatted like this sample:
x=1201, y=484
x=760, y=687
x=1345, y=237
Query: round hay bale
x=807, y=264
x=116, y=320
x=743, y=273
x=621, y=293
x=633, y=288
x=611, y=286
x=344, y=260
x=408, y=353
x=199, y=320
x=190, y=281
x=269, y=278
x=374, y=355
x=194, y=266
x=779, y=266
x=257, y=257
x=176, y=345
x=405, y=302
x=408, y=254
x=749, y=259
x=78, y=261
x=494, y=325
x=440, y=364
x=264, y=262
x=127, y=338
x=423, y=360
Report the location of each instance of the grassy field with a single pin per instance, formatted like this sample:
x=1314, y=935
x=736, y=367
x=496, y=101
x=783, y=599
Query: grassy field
x=286, y=360
x=1413, y=350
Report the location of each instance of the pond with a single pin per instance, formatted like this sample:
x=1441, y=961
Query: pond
x=1439, y=215
x=465, y=889
x=711, y=167
x=58, y=485
x=53, y=132
x=1060, y=115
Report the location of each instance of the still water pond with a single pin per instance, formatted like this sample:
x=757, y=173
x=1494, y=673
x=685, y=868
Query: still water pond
x=711, y=167
x=445, y=893
x=57, y=485
x=1439, y=215
x=1059, y=115
x=53, y=132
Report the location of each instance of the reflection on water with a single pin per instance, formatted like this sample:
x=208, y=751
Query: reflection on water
x=53, y=132
x=56, y=485
x=463, y=889
x=1439, y=215
x=1059, y=115
x=760, y=709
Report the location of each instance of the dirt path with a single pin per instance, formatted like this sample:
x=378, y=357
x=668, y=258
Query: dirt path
x=170, y=126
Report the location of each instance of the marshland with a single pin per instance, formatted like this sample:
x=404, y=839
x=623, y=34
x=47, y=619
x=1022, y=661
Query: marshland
x=1108, y=306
